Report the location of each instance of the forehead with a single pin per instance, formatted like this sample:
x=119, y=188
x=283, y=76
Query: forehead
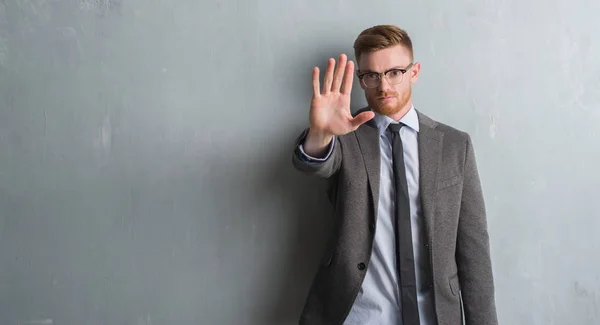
x=381, y=60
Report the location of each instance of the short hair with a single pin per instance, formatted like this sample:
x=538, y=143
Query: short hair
x=381, y=37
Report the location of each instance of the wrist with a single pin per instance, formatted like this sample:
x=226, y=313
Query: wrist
x=317, y=142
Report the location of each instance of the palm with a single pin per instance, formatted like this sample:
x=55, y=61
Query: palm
x=331, y=113
x=330, y=108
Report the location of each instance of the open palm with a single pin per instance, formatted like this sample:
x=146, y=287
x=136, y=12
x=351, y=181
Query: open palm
x=330, y=107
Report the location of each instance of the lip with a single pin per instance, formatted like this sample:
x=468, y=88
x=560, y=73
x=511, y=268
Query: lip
x=385, y=98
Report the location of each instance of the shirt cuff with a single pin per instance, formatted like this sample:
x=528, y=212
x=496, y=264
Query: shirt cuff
x=305, y=157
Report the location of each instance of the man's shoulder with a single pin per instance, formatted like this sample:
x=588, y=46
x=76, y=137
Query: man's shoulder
x=450, y=133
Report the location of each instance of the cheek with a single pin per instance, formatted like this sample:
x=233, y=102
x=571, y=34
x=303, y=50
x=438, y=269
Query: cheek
x=402, y=88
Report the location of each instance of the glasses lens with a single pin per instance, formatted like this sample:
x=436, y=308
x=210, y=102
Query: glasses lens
x=394, y=76
x=371, y=80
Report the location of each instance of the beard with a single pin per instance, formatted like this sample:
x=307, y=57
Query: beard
x=392, y=106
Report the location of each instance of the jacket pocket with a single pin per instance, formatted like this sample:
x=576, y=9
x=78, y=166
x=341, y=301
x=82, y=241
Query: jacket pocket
x=449, y=182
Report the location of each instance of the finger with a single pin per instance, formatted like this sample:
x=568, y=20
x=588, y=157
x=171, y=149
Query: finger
x=339, y=73
x=328, y=76
x=315, y=82
x=361, y=118
x=348, y=78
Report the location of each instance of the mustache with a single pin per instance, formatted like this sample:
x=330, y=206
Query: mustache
x=387, y=94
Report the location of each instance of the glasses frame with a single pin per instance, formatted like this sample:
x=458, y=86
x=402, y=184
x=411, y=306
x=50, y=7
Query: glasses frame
x=384, y=74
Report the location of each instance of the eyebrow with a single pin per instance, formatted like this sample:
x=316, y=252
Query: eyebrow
x=369, y=71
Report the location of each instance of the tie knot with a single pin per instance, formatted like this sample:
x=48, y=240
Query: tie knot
x=395, y=127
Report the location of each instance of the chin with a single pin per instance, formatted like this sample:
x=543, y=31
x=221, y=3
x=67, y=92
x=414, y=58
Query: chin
x=386, y=109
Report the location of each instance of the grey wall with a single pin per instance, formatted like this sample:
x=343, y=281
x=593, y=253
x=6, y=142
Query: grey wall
x=145, y=145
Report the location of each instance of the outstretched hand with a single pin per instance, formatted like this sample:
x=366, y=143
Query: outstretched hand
x=330, y=107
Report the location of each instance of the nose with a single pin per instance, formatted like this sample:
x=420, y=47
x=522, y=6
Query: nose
x=384, y=85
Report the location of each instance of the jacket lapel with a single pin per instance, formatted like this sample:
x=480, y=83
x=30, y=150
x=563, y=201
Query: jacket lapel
x=430, y=161
x=368, y=141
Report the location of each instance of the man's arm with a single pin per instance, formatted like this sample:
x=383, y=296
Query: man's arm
x=473, y=250
x=329, y=117
x=320, y=166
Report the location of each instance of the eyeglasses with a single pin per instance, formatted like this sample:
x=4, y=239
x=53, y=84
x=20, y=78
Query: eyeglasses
x=393, y=76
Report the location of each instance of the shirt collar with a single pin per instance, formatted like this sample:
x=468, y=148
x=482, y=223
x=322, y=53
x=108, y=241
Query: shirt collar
x=410, y=119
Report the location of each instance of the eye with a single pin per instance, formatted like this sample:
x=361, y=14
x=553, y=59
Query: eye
x=395, y=73
x=371, y=76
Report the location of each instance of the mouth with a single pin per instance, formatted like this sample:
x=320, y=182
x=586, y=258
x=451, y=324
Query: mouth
x=386, y=98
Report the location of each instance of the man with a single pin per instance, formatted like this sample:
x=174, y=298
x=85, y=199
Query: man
x=410, y=243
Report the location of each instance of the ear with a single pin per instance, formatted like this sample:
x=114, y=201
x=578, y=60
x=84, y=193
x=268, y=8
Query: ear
x=414, y=72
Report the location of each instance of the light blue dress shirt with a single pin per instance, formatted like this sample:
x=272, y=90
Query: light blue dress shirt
x=378, y=301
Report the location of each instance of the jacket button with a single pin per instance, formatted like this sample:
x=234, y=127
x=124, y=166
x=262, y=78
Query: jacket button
x=361, y=266
x=372, y=226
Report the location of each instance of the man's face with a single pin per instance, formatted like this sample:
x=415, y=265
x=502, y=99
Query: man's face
x=389, y=99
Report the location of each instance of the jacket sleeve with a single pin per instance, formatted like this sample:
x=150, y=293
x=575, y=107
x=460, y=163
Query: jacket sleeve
x=473, y=250
x=324, y=167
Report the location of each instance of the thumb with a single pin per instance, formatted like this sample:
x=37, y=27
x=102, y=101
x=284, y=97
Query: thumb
x=361, y=118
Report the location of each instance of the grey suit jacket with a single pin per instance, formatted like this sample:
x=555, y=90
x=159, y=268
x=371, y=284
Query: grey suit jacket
x=454, y=216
